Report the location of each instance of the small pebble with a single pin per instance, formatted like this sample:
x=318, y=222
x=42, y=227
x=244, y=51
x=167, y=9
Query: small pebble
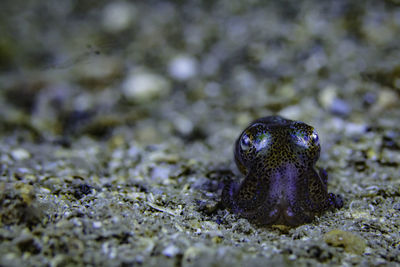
x=144, y=86
x=160, y=173
x=183, y=68
x=183, y=125
x=97, y=225
x=354, y=128
x=349, y=241
x=327, y=96
x=171, y=251
x=329, y=100
x=340, y=107
x=386, y=99
x=20, y=154
x=118, y=16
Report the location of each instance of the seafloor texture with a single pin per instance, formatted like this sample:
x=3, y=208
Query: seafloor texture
x=118, y=122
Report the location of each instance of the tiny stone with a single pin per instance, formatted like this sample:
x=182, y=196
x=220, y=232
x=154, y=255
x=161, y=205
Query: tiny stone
x=118, y=16
x=327, y=96
x=144, y=86
x=171, y=251
x=354, y=129
x=369, y=98
x=183, y=125
x=160, y=173
x=183, y=67
x=349, y=241
x=20, y=154
x=386, y=99
x=97, y=225
x=340, y=107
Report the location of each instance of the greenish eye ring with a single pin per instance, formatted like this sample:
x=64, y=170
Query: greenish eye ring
x=263, y=141
x=300, y=139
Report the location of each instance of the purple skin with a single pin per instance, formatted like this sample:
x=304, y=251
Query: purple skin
x=281, y=187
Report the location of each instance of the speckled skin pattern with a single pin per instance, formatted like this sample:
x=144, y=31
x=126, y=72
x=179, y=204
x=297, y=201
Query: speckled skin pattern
x=281, y=187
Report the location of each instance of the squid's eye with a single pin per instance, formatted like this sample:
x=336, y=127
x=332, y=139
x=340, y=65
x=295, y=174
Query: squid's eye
x=314, y=137
x=300, y=138
x=245, y=142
